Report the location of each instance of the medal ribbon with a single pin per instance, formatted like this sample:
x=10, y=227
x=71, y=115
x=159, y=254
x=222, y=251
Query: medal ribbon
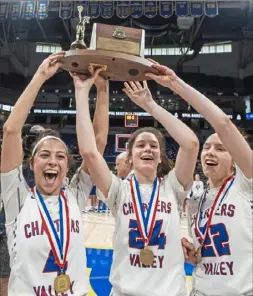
x=59, y=244
x=219, y=197
x=142, y=221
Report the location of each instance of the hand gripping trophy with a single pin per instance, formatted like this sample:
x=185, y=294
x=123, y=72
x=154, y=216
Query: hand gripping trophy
x=118, y=50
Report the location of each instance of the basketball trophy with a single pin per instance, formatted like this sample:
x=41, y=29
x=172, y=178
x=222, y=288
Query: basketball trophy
x=119, y=51
x=80, y=31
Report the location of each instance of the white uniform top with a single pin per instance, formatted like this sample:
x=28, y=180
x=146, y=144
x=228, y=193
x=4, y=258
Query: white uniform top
x=226, y=266
x=196, y=190
x=32, y=265
x=166, y=275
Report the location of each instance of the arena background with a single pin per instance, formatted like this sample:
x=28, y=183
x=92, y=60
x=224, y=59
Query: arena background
x=209, y=45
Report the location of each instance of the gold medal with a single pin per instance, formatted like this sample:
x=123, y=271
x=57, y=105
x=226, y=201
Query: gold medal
x=198, y=254
x=59, y=249
x=62, y=283
x=146, y=256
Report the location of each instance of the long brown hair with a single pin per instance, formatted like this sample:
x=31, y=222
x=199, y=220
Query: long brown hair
x=165, y=166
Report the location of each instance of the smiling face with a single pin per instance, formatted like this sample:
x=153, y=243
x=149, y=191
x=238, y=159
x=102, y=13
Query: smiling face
x=50, y=166
x=216, y=162
x=146, y=154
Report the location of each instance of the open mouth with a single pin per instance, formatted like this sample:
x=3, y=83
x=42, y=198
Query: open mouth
x=211, y=163
x=50, y=176
x=147, y=157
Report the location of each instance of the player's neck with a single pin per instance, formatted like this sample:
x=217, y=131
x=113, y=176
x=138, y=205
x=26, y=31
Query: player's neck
x=56, y=192
x=216, y=183
x=145, y=177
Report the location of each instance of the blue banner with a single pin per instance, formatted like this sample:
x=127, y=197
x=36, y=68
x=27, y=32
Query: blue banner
x=29, y=10
x=3, y=10
x=42, y=9
x=94, y=9
x=150, y=8
x=211, y=8
x=107, y=9
x=85, y=5
x=65, y=10
x=197, y=9
x=123, y=9
x=136, y=9
x=166, y=8
x=182, y=8
x=15, y=10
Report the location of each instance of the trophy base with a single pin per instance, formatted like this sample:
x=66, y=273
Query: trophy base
x=116, y=66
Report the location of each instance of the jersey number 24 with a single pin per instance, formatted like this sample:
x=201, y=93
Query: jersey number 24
x=137, y=242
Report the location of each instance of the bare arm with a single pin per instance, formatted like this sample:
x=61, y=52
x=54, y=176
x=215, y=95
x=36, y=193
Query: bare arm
x=101, y=116
x=94, y=161
x=184, y=136
x=12, y=152
x=230, y=136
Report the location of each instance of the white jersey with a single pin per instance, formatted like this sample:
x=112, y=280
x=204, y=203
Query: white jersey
x=33, y=268
x=226, y=266
x=196, y=190
x=166, y=275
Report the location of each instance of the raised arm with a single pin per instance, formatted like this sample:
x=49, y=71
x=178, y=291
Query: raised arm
x=230, y=136
x=184, y=136
x=12, y=152
x=93, y=159
x=101, y=116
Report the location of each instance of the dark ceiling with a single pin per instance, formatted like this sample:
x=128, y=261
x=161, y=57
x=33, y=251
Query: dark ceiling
x=234, y=22
x=230, y=24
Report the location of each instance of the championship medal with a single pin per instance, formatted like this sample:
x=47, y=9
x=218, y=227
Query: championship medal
x=145, y=223
x=146, y=256
x=59, y=242
x=62, y=283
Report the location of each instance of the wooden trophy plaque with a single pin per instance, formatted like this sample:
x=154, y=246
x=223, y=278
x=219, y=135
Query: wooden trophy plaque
x=119, y=51
x=118, y=39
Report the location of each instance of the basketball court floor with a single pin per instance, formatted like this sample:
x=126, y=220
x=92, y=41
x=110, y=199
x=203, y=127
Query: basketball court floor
x=99, y=230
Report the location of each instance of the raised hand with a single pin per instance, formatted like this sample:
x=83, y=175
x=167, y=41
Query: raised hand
x=83, y=81
x=166, y=77
x=101, y=83
x=50, y=65
x=140, y=95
